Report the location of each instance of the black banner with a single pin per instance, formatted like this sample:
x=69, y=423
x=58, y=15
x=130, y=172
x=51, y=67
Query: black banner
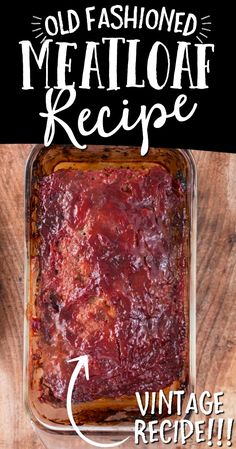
x=156, y=73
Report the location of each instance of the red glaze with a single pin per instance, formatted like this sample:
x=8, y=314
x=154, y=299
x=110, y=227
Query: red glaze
x=112, y=267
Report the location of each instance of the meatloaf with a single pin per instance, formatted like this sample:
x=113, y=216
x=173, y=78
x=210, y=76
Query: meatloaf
x=112, y=280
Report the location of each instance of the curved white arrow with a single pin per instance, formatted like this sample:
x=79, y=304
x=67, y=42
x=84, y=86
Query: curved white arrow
x=82, y=362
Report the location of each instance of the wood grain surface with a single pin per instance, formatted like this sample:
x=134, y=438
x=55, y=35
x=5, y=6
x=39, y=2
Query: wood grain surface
x=216, y=287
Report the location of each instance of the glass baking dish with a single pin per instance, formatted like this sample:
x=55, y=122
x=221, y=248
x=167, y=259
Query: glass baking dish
x=52, y=422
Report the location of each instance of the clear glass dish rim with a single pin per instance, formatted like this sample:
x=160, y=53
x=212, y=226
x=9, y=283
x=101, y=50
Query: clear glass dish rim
x=57, y=428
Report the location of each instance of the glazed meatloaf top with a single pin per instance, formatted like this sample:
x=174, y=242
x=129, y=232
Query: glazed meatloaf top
x=112, y=267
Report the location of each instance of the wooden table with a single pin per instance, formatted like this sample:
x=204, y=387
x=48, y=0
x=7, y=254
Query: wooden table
x=216, y=287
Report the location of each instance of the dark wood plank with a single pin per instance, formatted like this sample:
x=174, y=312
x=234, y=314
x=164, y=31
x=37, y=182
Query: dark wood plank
x=216, y=277
x=15, y=429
